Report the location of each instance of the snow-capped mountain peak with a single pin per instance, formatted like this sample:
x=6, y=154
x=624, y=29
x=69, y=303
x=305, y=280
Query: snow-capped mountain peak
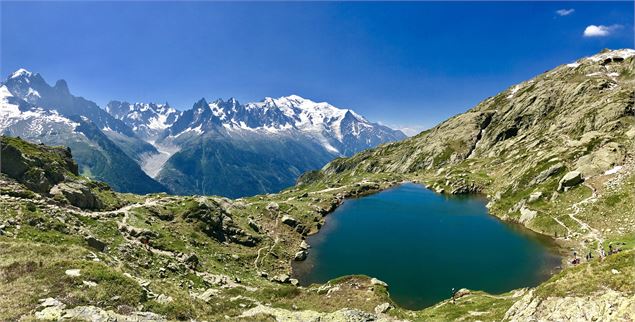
x=146, y=119
x=21, y=72
x=340, y=131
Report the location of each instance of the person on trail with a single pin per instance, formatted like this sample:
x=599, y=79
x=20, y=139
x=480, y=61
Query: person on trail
x=453, y=296
x=590, y=256
x=610, y=249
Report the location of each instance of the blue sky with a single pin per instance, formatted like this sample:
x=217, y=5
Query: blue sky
x=409, y=64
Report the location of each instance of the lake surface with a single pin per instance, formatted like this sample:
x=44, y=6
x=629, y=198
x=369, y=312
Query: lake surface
x=423, y=244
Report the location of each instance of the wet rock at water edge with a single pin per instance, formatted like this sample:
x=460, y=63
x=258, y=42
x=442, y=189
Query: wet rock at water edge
x=300, y=256
x=375, y=281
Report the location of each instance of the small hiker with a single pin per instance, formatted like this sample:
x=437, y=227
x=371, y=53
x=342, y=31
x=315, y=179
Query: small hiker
x=453, y=296
x=610, y=249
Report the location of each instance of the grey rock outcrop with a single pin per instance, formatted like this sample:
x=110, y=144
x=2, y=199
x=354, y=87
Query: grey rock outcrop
x=77, y=194
x=571, y=179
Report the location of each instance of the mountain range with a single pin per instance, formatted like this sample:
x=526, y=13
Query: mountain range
x=221, y=148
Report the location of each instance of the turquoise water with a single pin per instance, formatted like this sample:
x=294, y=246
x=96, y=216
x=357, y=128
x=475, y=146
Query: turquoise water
x=424, y=244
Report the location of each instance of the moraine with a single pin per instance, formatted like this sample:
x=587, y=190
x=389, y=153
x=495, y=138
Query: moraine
x=424, y=244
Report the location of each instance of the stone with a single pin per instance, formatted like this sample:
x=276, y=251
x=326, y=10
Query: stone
x=382, y=308
x=89, y=283
x=375, y=281
x=304, y=245
x=534, y=196
x=73, y=272
x=164, y=299
x=254, y=225
x=290, y=221
x=207, y=295
x=571, y=179
x=272, y=206
x=76, y=194
x=526, y=215
x=461, y=292
x=95, y=243
x=192, y=260
x=49, y=301
x=300, y=256
x=542, y=176
x=294, y=282
x=282, y=278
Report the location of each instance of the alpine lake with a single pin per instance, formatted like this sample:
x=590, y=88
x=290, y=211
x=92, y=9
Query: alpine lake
x=424, y=244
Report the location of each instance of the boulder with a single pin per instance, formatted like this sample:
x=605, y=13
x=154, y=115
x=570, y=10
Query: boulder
x=534, y=196
x=272, y=206
x=290, y=221
x=282, y=278
x=462, y=292
x=304, y=245
x=526, y=215
x=375, y=281
x=95, y=243
x=542, y=176
x=300, y=256
x=571, y=179
x=382, y=308
x=254, y=225
x=207, y=295
x=192, y=260
x=77, y=194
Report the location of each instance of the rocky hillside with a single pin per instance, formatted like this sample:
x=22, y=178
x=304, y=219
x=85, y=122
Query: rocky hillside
x=554, y=154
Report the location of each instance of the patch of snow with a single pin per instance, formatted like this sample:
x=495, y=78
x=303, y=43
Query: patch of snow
x=513, y=91
x=615, y=170
x=33, y=93
x=573, y=65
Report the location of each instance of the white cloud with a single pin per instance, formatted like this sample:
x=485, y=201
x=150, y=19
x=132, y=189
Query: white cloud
x=600, y=31
x=565, y=12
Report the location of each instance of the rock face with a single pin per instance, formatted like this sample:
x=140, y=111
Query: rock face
x=571, y=179
x=38, y=171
